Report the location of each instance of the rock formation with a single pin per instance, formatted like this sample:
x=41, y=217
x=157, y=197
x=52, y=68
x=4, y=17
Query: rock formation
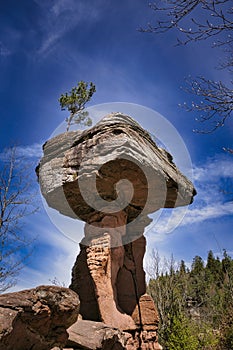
x=100, y=336
x=37, y=318
x=103, y=337
x=114, y=149
x=112, y=176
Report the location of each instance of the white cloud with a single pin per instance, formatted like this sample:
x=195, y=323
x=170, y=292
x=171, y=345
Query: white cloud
x=32, y=151
x=218, y=167
x=209, y=204
x=208, y=212
x=4, y=51
x=49, y=41
x=60, y=6
x=58, y=263
x=62, y=16
x=192, y=216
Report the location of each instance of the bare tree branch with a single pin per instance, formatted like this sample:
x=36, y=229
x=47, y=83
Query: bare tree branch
x=184, y=16
x=229, y=150
x=214, y=102
x=16, y=202
x=197, y=20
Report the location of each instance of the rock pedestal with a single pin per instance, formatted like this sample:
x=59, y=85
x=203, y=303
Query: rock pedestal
x=112, y=176
x=110, y=282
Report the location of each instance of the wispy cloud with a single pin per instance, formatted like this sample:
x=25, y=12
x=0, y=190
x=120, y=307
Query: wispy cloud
x=53, y=256
x=208, y=212
x=10, y=40
x=192, y=216
x=60, y=6
x=210, y=203
x=30, y=151
x=4, y=51
x=62, y=16
x=218, y=167
x=33, y=151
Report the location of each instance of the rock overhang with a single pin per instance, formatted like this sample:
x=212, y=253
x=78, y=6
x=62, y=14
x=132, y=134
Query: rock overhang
x=80, y=171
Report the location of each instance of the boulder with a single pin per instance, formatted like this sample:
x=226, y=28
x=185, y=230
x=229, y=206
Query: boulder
x=95, y=160
x=91, y=335
x=37, y=318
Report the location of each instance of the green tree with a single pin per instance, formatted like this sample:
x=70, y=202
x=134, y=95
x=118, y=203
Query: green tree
x=75, y=102
x=213, y=270
x=197, y=265
x=227, y=269
x=227, y=263
x=198, y=288
x=227, y=327
x=183, y=268
x=164, y=289
x=195, y=306
x=211, y=261
x=180, y=334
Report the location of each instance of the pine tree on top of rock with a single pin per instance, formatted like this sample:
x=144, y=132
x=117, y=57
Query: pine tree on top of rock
x=75, y=102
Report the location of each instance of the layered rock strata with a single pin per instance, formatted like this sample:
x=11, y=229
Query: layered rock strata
x=110, y=282
x=112, y=176
x=116, y=148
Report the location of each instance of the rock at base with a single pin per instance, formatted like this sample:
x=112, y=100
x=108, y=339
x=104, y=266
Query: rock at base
x=145, y=314
x=90, y=335
x=37, y=318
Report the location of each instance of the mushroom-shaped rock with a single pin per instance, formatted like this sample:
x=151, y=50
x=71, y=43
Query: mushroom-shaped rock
x=115, y=164
x=112, y=176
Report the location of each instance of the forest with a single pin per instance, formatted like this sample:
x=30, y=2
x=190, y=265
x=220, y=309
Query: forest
x=195, y=304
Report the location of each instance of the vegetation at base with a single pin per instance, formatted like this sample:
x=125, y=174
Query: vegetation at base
x=195, y=305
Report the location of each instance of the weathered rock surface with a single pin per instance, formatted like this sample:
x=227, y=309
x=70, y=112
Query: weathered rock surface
x=96, y=336
x=112, y=176
x=115, y=148
x=111, y=284
x=145, y=314
x=91, y=335
x=96, y=267
x=37, y=318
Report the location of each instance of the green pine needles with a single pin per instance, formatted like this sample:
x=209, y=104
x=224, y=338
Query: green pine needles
x=75, y=102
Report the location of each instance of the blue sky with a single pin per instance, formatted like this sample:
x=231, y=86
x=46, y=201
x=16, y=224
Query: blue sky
x=46, y=47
